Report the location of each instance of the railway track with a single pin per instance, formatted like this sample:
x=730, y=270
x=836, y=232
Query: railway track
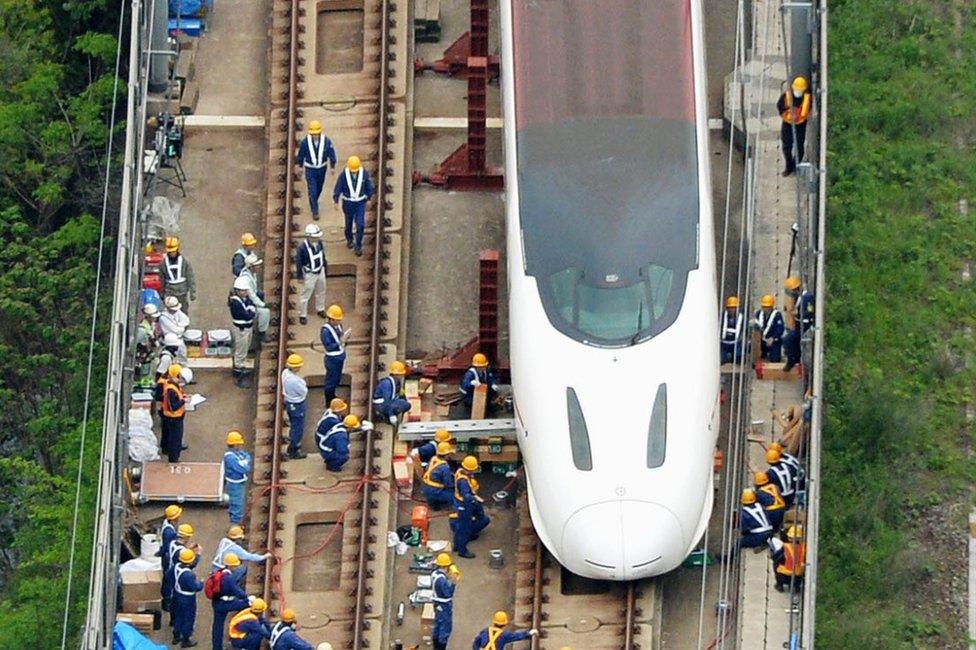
x=343, y=64
x=570, y=611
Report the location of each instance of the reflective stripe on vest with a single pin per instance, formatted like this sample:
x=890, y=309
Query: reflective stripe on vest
x=431, y=466
x=174, y=551
x=178, y=573
x=222, y=548
x=732, y=331
x=242, y=322
x=316, y=260
x=794, y=558
x=766, y=325
x=243, y=479
x=393, y=391
x=458, y=475
x=169, y=387
x=434, y=578
x=337, y=335
x=784, y=479
x=476, y=382
x=493, y=635
x=174, y=272
x=324, y=439
x=355, y=193
x=773, y=491
x=316, y=152
x=757, y=513
x=280, y=628
x=794, y=115
x=240, y=617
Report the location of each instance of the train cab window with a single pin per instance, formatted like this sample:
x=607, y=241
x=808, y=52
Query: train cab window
x=579, y=437
x=657, y=430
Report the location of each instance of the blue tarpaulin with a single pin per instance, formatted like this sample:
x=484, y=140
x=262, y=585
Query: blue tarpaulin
x=186, y=7
x=126, y=637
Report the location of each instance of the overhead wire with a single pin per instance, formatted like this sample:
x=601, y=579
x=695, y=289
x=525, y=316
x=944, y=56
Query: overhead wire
x=94, y=324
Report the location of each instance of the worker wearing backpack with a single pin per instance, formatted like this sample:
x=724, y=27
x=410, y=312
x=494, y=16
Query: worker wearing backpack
x=226, y=596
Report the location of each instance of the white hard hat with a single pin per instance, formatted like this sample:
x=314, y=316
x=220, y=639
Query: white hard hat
x=172, y=340
x=172, y=302
x=312, y=230
x=187, y=374
x=325, y=645
x=150, y=309
x=241, y=283
x=252, y=260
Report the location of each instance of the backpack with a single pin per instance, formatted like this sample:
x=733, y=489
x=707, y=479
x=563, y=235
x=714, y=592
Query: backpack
x=211, y=587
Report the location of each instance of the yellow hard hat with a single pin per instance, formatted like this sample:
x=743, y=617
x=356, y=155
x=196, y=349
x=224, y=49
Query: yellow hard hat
x=174, y=370
x=772, y=456
x=334, y=312
x=187, y=555
x=315, y=127
x=443, y=560
x=775, y=445
x=337, y=405
x=500, y=619
x=442, y=435
x=762, y=478
x=444, y=448
x=325, y=645
x=235, y=532
x=354, y=163
x=259, y=605
x=470, y=463
x=479, y=360
x=231, y=560
x=288, y=616
x=398, y=368
x=173, y=511
x=800, y=84
x=732, y=301
x=295, y=361
x=172, y=244
x=351, y=421
x=748, y=497
x=792, y=283
x=185, y=530
x=795, y=531
x=247, y=239
x=235, y=438
x=149, y=248
x=767, y=301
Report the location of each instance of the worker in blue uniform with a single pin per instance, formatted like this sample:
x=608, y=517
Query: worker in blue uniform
x=248, y=243
x=443, y=582
x=228, y=599
x=316, y=154
x=389, y=398
x=468, y=506
x=792, y=463
x=310, y=269
x=184, y=540
x=423, y=452
x=334, y=338
x=230, y=543
x=733, y=332
x=353, y=189
x=185, y=589
x=248, y=627
x=753, y=521
x=769, y=322
x=294, y=391
x=781, y=476
x=243, y=313
x=479, y=373
x=284, y=635
x=167, y=536
x=496, y=637
x=438, y=479
x=769, y=497
x=803, y=316
x=237, y=467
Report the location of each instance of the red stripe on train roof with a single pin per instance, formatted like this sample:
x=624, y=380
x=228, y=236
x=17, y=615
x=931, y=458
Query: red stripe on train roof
x=583, y=59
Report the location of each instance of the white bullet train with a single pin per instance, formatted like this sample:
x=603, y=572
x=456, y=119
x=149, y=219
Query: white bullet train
x=611, y=264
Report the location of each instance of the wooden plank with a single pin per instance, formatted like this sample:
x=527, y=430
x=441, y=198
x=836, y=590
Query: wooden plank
x=223, y=122
x=456, y=123
x=142, y=622
x=480, y=403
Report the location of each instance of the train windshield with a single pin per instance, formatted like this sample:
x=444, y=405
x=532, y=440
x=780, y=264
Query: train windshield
x=608, y=182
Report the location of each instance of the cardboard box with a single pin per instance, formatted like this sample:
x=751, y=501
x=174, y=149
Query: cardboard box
x=770, y=370
x=427, y=619
x=401, y=473
x=133, y=606
x=142, y=622
x=141, y=585
x=411, y=388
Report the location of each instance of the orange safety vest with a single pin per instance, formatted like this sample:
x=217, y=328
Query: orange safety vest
x=167, y=388
x=773, y=491
x=794, y=558
x=796, y=115
x=458, y=475
x=493, y=634
x=435, y=462
x=240, y=617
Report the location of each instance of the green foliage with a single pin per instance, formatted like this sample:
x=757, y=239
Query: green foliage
x=56, y=80
x=899, y=363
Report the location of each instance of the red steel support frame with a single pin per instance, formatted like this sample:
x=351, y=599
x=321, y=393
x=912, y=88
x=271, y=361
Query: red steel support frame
x=471, y=43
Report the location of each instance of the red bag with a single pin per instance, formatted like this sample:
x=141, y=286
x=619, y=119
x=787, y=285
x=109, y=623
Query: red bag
x=211, y=587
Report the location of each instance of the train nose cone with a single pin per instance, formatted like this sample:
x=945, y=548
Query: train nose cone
x=622, y=540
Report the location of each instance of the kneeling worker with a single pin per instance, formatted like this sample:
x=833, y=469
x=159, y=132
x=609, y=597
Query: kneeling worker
x=756, y=528
x=438, y=487
x=468, y=506
x=789, y=559
x=284, y=635
x=769, y=322
x=249, y=626
x=389, y=398
x=768, y=496
x=496, y=637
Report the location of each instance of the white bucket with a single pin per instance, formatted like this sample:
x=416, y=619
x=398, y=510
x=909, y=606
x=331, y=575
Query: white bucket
x=149, y=546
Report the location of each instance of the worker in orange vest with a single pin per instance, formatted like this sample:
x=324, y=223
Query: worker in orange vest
x=794, y=107
x=172, y=412
x=767, y=494
x=789, y=558
x=496, y=637
x=249, y=627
